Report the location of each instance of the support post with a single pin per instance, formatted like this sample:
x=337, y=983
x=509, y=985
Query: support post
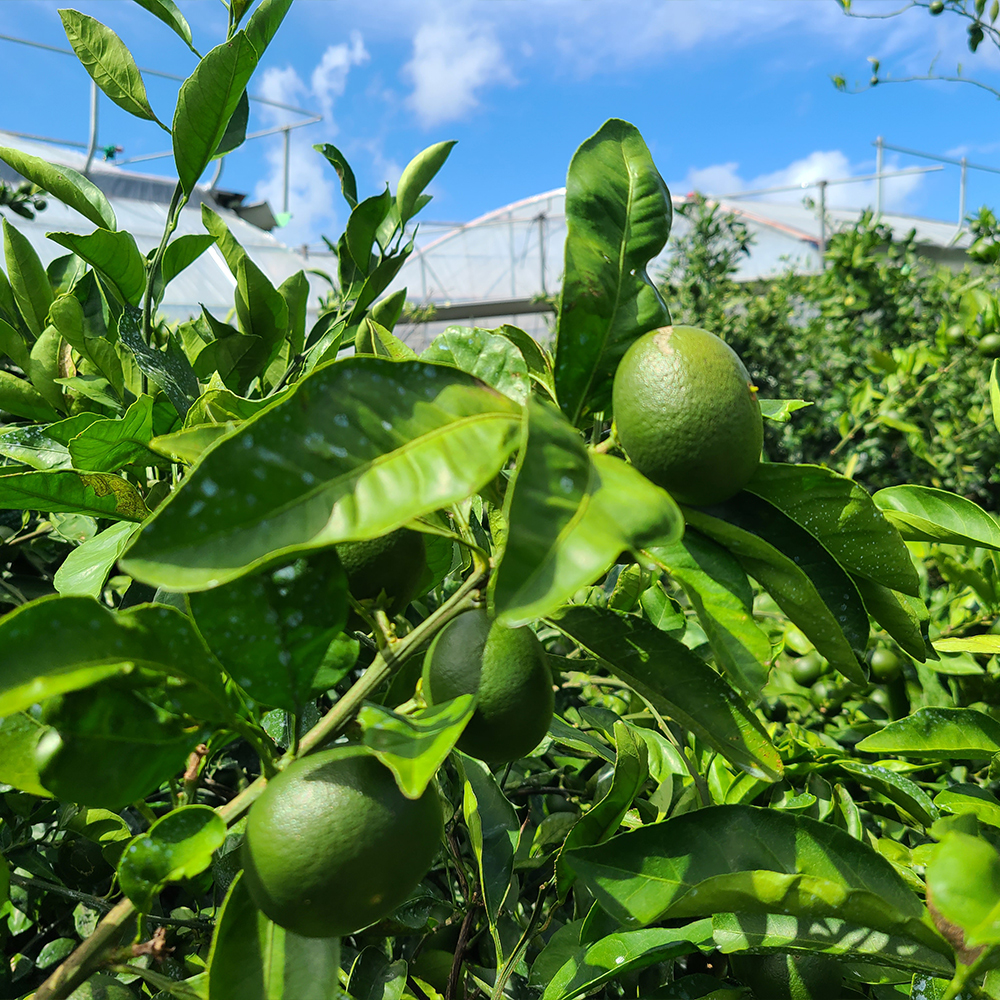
x=541, y=249
x=284, y=200
x=92, y=144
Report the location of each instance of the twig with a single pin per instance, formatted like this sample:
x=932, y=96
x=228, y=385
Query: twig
x=464, y=934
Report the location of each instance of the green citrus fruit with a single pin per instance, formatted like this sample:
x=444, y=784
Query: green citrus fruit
x=885, y=665
x=955, y=334
x=687, y=414
x=806, y=669
x=332, y=845
x=393, y=563
x=788, y=976
x=507, y=669
x=989, y=346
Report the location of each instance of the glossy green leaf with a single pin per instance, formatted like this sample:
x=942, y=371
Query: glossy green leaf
x=968, y=798
x=188, y=446
x=69, y=318
x=264, y=22
x=744, y=859
x=85, y=570
x=273, y=631
x=107, y=445
x=843, y=517
x=236, y=130
x=562, y=732
x=169, y=13
x=71, y=188
x=995, y=395
x=796, y=571
x=108, y=61
x=169, y=369
x=896, y=787
x=781, y=410
x=348, y=185
x=571, y=515
x=182, y=252
x=66, y=491
x=113, y=254
x=602, y=821
x=373, y=338
x=19, y=398
x=735, y=932
x=903, y=617
x=44, y=367
x=417, y=174
x=387, y=311
x=28, y=280
x=414, y=746
x=206, y=102
x=19, y=735
x=59, y=644
x=493, y=830
x=4, y=881
x=924, y=514
x=296, y=292
x=963, y=887
x=377, y=282
x=618, y=215
x=363, y=224
x=357, y=449
x=625, y=951
x=108, y=746
x=254, y=959
x=13, y=343
x=178, y=845
x=374, y=977
x=486, y=355
x=676, y=683
x=721, y=595
x=937, y=734
x=987, y=644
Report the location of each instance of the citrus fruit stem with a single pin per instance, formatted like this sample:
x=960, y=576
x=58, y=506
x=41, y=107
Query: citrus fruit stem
x=90, y=954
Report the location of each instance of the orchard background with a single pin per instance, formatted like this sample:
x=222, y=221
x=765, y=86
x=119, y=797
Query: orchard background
x=772, y=763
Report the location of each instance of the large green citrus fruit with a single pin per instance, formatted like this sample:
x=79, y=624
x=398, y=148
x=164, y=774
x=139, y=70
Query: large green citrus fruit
x=789, y=976
x=507, y=668
x=885, y=665
x=332, y=845
x=394, y=563
x=687, y=414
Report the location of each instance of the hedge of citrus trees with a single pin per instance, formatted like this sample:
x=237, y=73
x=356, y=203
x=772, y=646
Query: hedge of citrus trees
x=278, y=597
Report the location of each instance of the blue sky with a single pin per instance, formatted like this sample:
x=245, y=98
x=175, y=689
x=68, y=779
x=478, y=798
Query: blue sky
x=729, y=95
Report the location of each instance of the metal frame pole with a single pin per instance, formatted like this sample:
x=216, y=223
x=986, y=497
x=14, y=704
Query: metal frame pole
x=287, y=134
x=92, y=145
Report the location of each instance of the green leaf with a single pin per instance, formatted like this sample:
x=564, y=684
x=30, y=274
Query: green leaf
x=295, y=291
x=85, y=570
x=301, y=472
x=348, y=185
x=735, y=932
x=188, y=446
x=924, y=514
x=43, y=367
x=110, y=64
x=571, y=515
x=169, y=369
x=987, y=644
x=28, y=280
x=625, y=951
x=115, y=255
x=493, y=830
x=903, y=617
x=108, y=746
x=721, y=595
x=896, y=787
x=206, y=102
x=60, y=644
x=963, y=887
x=843, y=517
x=386, y=312
x=796, y=571
x=995, y=395
x=183, y=252
x=71, y=492
x=236, y=131
x=419, y=172
x=273, y=632
x=264, y=22
x=780, y=410
x=4, y=882
x=254, y=959
x=618, y=215
x=937, y=734
x=168, y=12
x=109, y=444
x=65, y=184
x=602, y=821
x=414, y=746
x=486, y=355
x=12, y=342
x=749, y=860
x=177, y=846
x=68, y=316
x=373, y=338
x=19, y=398
x=363, y=224
x=676, y=683
x=19, y=735
x=966, y=798
x=374, y=977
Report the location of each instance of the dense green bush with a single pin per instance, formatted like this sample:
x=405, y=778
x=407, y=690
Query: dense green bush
x=885, y=344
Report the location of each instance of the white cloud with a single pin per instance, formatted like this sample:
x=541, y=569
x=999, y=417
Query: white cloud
x=313, y=188
x=726, y=179
x=451, y=63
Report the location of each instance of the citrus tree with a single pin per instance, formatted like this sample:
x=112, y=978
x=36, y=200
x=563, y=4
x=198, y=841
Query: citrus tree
x=331, y=668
